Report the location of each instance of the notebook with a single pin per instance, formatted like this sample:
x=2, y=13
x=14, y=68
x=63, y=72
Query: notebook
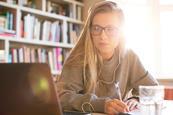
x=27, y=89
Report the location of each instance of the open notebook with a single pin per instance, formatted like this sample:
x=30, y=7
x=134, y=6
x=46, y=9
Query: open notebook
x=27, y=89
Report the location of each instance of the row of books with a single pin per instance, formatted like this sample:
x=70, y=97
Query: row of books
x=34, y=28
x=54, y=57
x=10, y=1
x=45, y=30
x=64, y=9
x=73, y=32
x=57, y=7
x=38, y=28
x=20, y=2
x=6, y=21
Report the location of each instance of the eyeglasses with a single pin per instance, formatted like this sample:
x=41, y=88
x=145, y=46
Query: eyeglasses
x=96, y=30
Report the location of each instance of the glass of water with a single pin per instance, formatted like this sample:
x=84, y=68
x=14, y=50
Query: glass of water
x=151, y=100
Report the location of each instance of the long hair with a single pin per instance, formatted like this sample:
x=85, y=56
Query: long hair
x=84, y=54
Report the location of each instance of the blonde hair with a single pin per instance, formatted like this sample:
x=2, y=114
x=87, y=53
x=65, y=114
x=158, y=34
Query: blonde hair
x=84, y=54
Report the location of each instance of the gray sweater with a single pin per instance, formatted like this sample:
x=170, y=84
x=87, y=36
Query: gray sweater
x=128, y=71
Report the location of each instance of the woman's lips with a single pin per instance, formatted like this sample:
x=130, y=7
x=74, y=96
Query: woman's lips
x=103, y=44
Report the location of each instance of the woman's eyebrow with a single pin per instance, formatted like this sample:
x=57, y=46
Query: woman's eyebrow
x=105, y=26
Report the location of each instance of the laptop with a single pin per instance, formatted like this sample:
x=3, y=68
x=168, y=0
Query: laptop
x=27, y=89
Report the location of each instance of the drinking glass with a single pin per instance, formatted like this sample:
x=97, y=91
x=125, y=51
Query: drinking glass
x=151, y=100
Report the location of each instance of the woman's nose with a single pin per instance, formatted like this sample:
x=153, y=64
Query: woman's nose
x=103, y=35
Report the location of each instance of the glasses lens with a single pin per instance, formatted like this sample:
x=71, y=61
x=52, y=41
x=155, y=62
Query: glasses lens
x=96, y=30
x=111, y=31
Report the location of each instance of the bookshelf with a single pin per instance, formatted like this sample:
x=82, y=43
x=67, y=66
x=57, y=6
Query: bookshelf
x=40, y=31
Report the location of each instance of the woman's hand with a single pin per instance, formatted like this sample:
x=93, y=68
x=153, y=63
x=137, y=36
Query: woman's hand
x=115, y=106
x=132, y=104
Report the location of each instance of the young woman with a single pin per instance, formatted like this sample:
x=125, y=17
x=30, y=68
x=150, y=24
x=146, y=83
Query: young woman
x=100, y=69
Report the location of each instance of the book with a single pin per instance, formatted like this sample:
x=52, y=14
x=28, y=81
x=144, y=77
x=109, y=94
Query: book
x=2, y=56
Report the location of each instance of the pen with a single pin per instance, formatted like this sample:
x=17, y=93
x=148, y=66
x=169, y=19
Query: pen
x=118, y=90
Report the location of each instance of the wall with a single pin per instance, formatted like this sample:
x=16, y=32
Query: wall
x=88, y=4
x=166, y=82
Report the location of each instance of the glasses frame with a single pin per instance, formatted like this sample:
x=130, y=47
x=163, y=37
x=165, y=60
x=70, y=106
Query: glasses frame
x=113, y=32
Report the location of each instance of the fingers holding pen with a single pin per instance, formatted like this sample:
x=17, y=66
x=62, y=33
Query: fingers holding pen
x=120, y=105
x=115, y=106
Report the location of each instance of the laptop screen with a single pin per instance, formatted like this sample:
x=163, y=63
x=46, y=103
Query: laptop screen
x=27, y=89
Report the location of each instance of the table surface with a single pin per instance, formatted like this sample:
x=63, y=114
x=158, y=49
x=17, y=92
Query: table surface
x=168, y=108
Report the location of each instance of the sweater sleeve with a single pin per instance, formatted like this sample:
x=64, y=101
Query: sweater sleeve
x=138, y=74
x=70, y=88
